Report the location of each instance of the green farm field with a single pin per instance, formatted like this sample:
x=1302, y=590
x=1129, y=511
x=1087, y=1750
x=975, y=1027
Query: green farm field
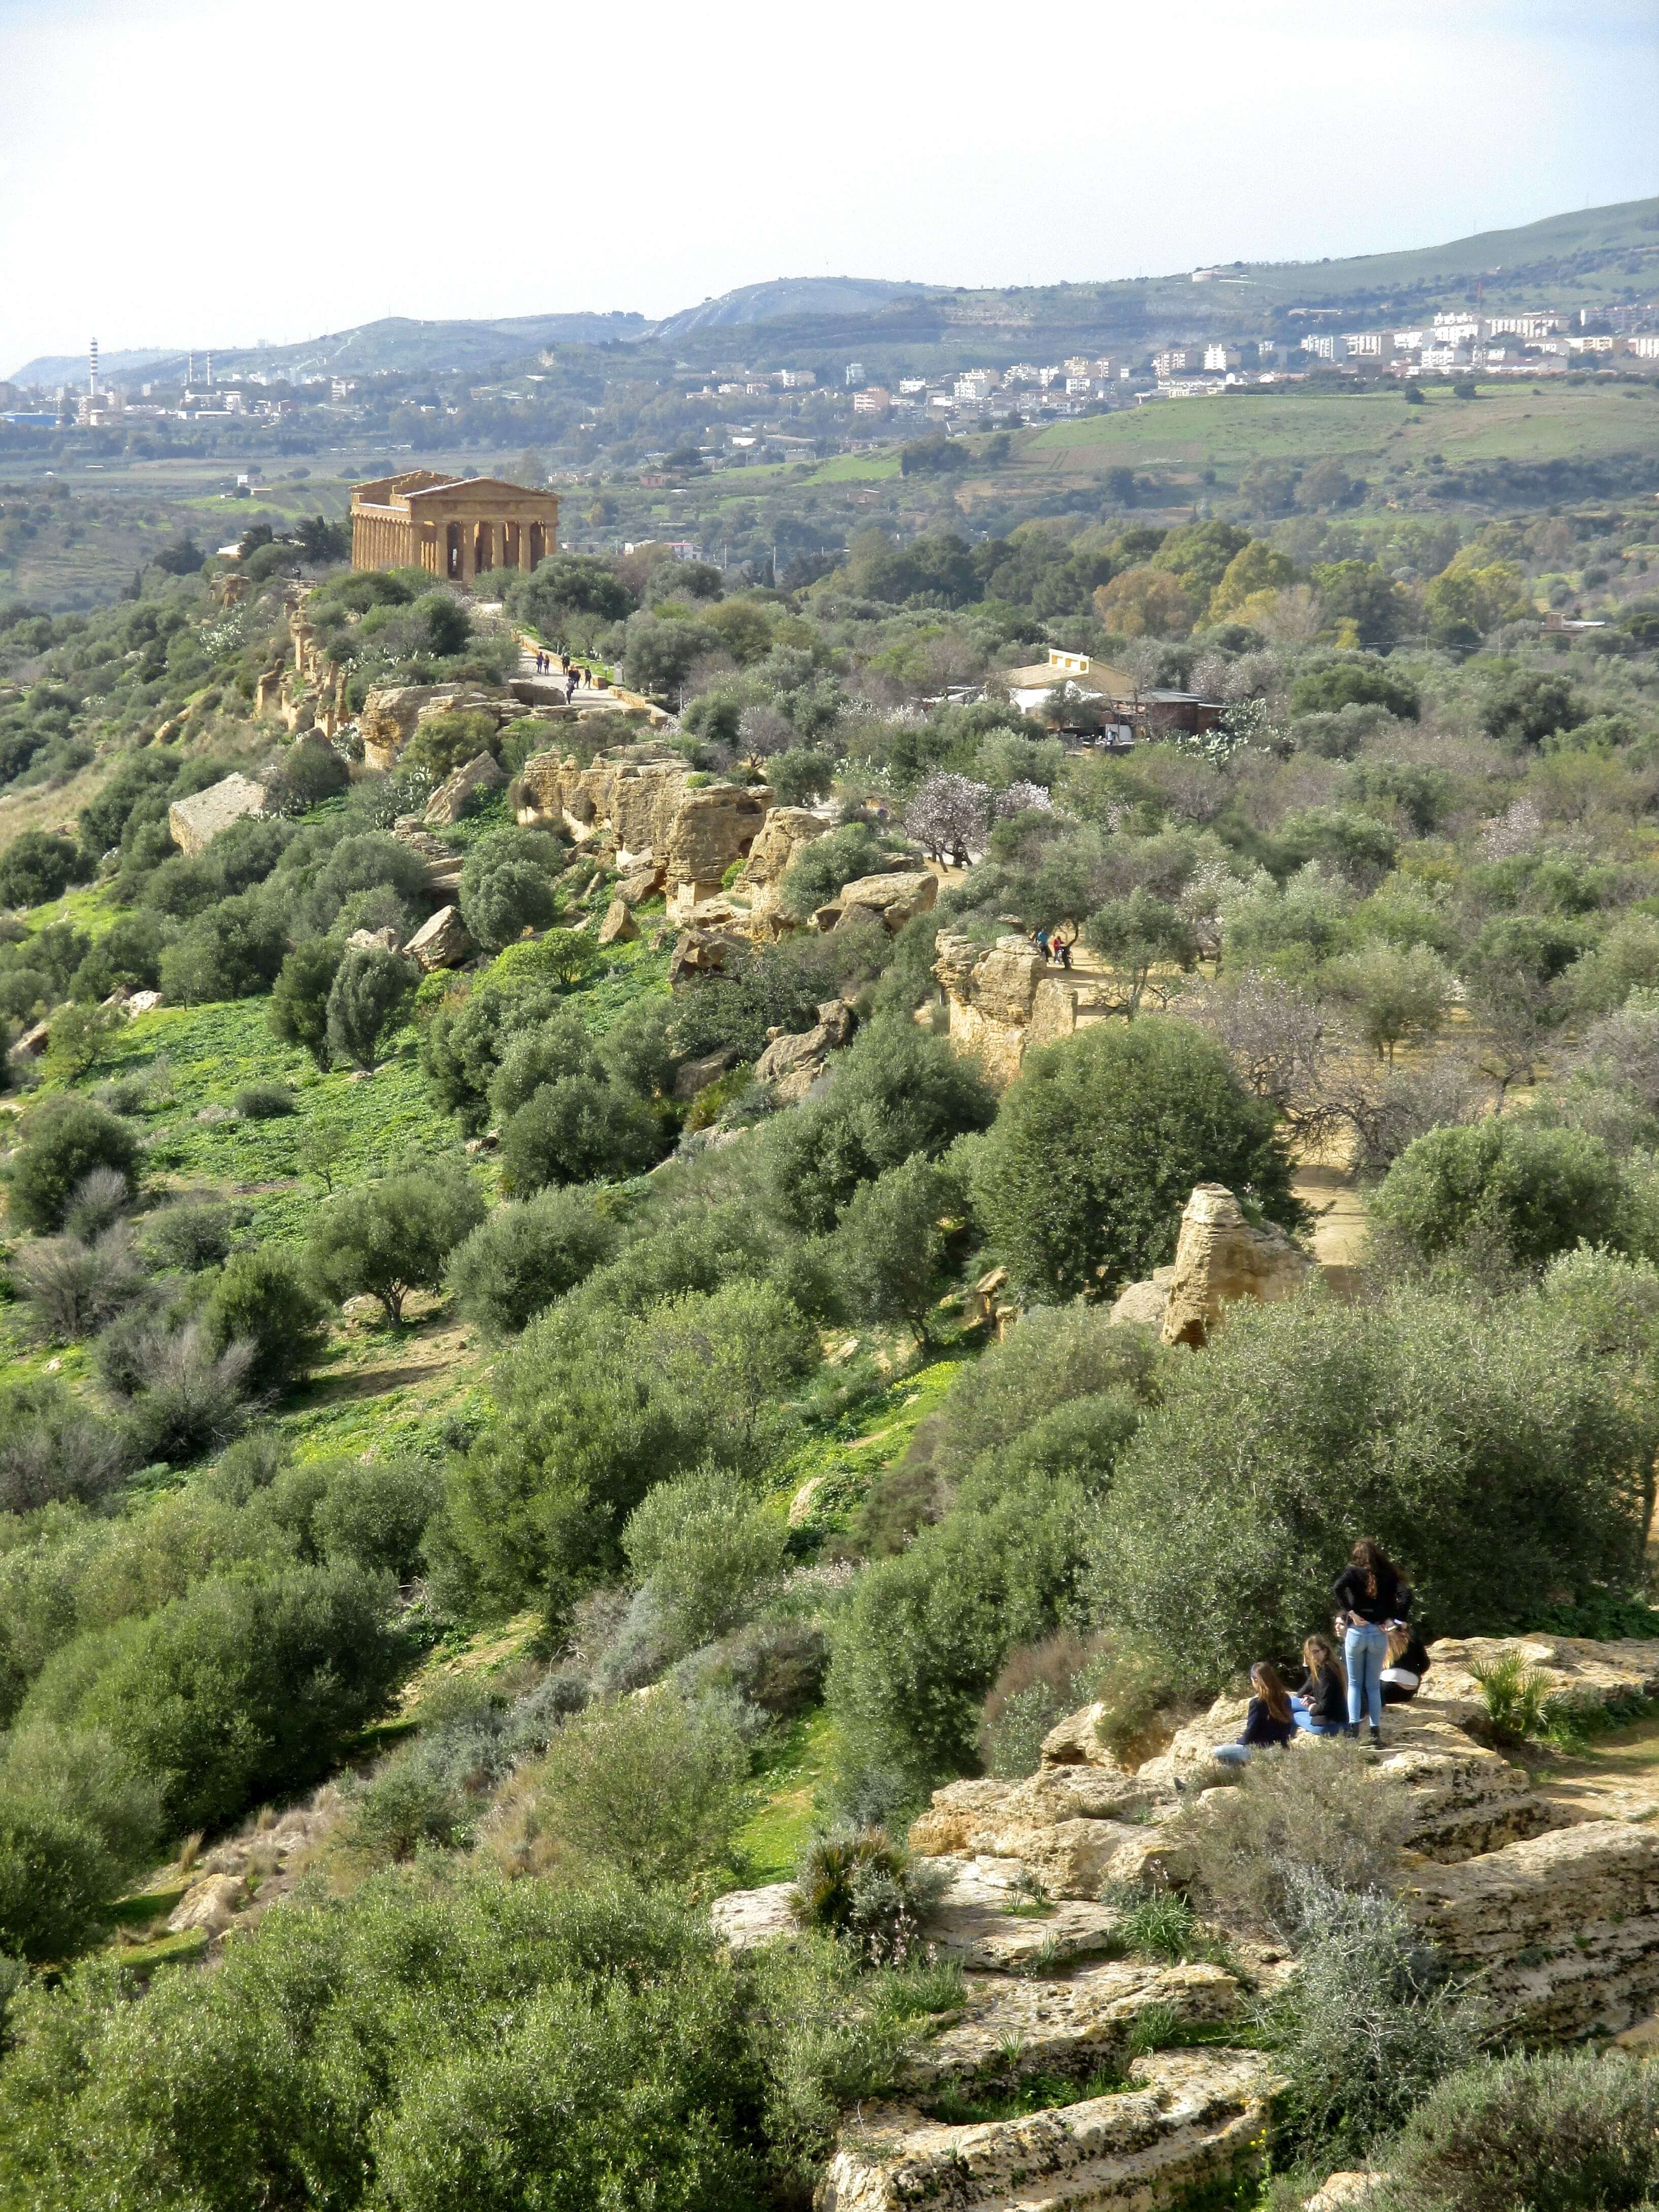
x=1516, y=422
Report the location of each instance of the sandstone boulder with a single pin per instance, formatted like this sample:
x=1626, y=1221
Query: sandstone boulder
x=747, y=1918
x=210, y=1904
x=375, y=940
x=619, y=926
x=391, y=711
x=793, y=1064
x=990, y=992
x=696, y=1075
x=1145, y=1303
x=638, y=885
x=197, y=821
x=891, y=900
x=1220, y=1257
x=703, y=952
x=442, y=942
x=450, y=801
x=835, y=1020
x=142, y=1002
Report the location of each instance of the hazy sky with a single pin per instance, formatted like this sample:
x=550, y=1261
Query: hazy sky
x=208, y=173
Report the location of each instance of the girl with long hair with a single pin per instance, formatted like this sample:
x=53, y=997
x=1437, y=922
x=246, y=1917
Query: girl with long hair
x=1371, y=1597
x=1321, y=1705
x=1269, y=1724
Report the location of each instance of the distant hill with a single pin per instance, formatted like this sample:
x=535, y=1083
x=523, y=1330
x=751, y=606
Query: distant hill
x=1595, y=256
x=787, y=300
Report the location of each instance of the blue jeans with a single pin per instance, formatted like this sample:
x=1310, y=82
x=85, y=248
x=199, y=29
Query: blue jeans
x=1233, y=1755
x=1365, y=1649
x=1304, y=1718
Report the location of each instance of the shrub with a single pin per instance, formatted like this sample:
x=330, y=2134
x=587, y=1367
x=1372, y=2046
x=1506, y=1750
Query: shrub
x=1082, y=1180
x=1452, y=1434
x=63, y=1141
x=391, y=1237
x=1557, y=2130
x=407, y=1806
x=819, y=870
x=185, y=1396
x=1514, y=1693
x=506, y=2043
x=98, y=1201
x=1529, y=1190
x=708, y=1551
x=367, y=861
x=649, y=1791
x=442, y=743
x=57, y=1882
x=191, y=1234
x=265, y=1101
x=1320, y=1808
x=369, y=995
x=890, y=1250
x=777, y=1666
x=234, y=951
x=520, y=1258
x=1361, y=681
x=237, y=1692
x=1039, y=1684
x=38, y=866
x=577, y=1130
x=53, y=1447
x=506, y=886
x=858, y=1886
x=73, y=1288
x=373, y=1513
x=596, y=1406
x=1365, y=2028
x=298, y=1013
x=554, y=1049
x=895, y=1092
x=262, y=1300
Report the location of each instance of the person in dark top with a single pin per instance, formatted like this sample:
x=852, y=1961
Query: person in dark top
x=1407, y=1663
x=1322, y=1706
x=1371, y=1599
x=1268, y=1725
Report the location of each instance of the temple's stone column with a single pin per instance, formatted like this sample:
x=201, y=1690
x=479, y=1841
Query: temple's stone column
x=526, y=536
x=467, y=568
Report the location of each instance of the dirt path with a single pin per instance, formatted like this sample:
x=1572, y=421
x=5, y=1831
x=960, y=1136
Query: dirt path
x=1618, y=1780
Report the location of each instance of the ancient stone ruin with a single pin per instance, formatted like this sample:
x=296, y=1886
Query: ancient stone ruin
x=1220, y=1257
x=1003, y=1000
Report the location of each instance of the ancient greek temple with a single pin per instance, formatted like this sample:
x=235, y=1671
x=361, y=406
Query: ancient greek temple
x=453, y=526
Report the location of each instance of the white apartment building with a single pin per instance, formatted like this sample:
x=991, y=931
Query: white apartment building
x=1526, y=326
x=872, y=400
x=1457, y=330
x=1363, y=343
x=1444, y=356
x=1601, y=343
x=976, y=383
x=796, y=379
x=1411, y=341
x=1174, y=361
x=909, y=385
x=1222, y=358
x=1645, y=349
x=853, y=374
x=1317, y=343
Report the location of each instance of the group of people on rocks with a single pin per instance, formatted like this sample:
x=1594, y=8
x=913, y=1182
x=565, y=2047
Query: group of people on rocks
x=1383, y=1663
x=1055, y=949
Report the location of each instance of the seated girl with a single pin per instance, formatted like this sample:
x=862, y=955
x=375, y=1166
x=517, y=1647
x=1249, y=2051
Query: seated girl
x=1321, y=1705
x=1406, y=1663
x=1268, y=1725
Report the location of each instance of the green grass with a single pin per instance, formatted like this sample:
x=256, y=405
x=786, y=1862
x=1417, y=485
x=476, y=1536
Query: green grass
x=771, y=1841
x=1508, y=422
x=145, y=1906
x=850, y=1450
x=857, y=468
x=142, y=1958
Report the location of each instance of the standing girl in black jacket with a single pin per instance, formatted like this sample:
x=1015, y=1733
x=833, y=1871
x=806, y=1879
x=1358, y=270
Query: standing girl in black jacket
x=1371, y=1599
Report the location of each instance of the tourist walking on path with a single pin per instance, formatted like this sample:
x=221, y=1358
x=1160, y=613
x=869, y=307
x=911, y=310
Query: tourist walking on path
x=1371, y=1599
x=1268, y=1725
x=1322, y=1706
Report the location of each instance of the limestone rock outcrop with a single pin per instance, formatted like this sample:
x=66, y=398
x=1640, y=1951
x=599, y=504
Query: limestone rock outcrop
x=1220, y=1257
x=1189, y=2119
x=786, y=832
x=1003, y=1001
x=640, y=800
x=210, y=1904
x=195, y=821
